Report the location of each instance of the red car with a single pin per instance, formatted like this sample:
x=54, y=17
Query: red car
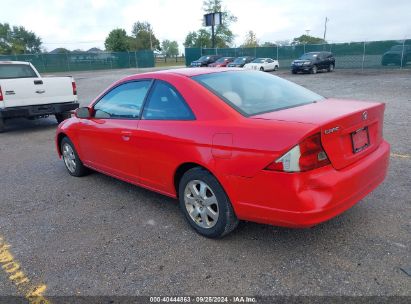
x=222, y=62
x=231, y=145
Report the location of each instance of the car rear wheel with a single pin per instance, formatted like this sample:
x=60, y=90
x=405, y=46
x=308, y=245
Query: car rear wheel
x=71, y=159
x=60, y=117
x=314, y=70
x=276, y=68
x=205, y=204
x=2, y=126
x=330, y=68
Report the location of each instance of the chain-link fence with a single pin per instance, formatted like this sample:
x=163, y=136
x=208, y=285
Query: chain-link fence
x=352, y=55
x=85, y=61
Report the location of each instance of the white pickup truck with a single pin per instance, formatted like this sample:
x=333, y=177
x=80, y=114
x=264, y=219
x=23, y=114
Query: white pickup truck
x=24, y=93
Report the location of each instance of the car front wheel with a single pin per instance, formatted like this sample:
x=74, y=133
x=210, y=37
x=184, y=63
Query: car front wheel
x=330, y=68
x=205, y=204
x=314, y=70
x=71, y=159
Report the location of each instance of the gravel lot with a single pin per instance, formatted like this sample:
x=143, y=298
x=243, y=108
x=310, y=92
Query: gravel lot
x=100, y=236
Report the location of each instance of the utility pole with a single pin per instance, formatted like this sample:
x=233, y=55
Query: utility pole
x=325, y=27
x=307, y=32
x=151, y=42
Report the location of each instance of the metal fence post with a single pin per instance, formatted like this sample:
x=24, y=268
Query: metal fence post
x=402, y=53
x=135, y=57
x=304, y=48
x=363, y=58
x=277, y=52
x=68, y=63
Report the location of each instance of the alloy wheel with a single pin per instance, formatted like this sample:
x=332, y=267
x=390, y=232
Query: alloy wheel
x=201, y=204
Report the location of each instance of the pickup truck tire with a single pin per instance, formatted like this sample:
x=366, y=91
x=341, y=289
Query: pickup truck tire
x=1, y=125
x=71, y=159
x=60, y=117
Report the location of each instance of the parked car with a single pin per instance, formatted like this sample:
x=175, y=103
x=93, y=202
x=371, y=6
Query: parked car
x=24, y=93
x=221, y=62
x=231, y=145
x=239, y=62
x=393, y=56
x=313, y=62
x=262, y=64
x=204, y=61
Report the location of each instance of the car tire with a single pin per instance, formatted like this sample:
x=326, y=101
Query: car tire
x=293, y=72
x=262, y=69
x=71, y=159
x=314, y=70
x=2, y=125
x=60, y=117
x=330, y=68
x=276, y=68
x=205, y=204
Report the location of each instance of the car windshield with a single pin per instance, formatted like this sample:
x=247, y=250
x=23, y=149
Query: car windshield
x=309, y=56
x=222, y=60
x=258, y=60
x=240, y=60
x=203, y=58
x=251, y=92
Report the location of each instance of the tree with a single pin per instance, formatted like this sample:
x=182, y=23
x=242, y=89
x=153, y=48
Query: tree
x=268, y=44
x=307, y=39
x=250, y=40
x=18, y=40
x=169, y=48
x=144, y=38
x=191, y=40
x=117, y=41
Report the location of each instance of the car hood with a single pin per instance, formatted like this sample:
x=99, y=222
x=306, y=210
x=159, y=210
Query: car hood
x=302, y=61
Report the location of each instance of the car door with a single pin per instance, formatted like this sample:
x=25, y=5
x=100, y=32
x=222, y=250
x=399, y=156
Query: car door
x=107, y=140
x=162, y=145
x=270, y=65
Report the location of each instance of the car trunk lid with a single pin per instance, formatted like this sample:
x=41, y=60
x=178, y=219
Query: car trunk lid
x=350, y=129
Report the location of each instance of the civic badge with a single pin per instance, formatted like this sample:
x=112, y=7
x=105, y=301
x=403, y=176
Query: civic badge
x=364, y=115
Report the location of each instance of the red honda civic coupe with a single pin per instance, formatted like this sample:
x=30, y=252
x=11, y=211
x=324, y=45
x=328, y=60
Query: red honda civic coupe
x=231, y=145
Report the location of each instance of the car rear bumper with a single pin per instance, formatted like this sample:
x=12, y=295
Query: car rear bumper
x=308, y=198
x=38, y=110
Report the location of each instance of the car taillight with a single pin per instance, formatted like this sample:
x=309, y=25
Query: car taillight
x=1, y=95
x=73, y=84
x=307, y=155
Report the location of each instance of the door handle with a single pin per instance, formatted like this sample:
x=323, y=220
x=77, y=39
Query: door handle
x=40, y=91
x=126, y=135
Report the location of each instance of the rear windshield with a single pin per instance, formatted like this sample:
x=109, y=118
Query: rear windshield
x=8, y=71
x=258, y=60
x=253, y=92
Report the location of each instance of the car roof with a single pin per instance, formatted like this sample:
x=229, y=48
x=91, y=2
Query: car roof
x=189, y=72
x=14, y=62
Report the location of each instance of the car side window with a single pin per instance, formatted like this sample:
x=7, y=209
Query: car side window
x=124, y=101
x=165, y=103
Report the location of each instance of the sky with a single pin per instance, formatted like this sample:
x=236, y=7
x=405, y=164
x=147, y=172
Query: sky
x=82, y=24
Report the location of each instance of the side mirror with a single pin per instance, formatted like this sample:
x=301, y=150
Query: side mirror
x=83, y=112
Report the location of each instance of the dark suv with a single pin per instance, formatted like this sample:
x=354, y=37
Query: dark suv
x=393, y=56
x=240, y=62
x=313, y=62
x=204, y=61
